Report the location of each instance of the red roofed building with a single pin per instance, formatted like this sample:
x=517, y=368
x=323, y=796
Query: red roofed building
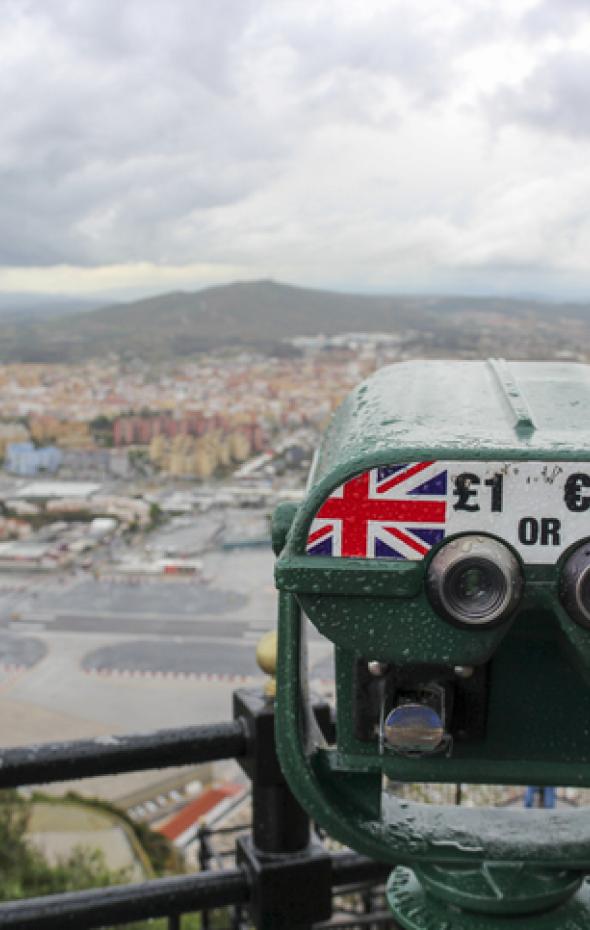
x=212, y=803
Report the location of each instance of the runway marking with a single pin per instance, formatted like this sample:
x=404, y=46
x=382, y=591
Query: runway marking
x=27, y=626
x=155, y=675
x=15, y=672
x=255, y=636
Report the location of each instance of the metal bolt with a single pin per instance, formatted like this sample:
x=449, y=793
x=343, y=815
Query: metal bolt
x=376, y=668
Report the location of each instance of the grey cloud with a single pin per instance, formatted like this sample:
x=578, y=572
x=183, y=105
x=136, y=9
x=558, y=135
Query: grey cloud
x=195, y=35
x=142, y=130
x=396, y=42
x=552, y=17
x=120, y=128
x=553, y=98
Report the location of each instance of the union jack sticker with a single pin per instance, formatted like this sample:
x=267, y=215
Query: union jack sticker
x=392, y=512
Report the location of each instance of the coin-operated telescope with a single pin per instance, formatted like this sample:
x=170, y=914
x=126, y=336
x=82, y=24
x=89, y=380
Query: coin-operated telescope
x=443, y=547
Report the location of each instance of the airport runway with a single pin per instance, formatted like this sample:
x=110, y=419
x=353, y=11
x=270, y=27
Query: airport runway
x=81, y=657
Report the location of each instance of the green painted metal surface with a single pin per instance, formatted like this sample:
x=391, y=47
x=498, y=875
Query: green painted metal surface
x=516, y=432
x=351, y=806
x=415, y=909
x=453, y=408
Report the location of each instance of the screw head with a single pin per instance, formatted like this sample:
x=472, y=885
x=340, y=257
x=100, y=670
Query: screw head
x=376, y=668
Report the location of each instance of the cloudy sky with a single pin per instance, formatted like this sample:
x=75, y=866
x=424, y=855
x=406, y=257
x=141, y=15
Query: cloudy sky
x=404, y=145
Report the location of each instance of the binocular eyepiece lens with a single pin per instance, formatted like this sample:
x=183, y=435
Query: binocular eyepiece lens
x=575, y=585
x=474, y=580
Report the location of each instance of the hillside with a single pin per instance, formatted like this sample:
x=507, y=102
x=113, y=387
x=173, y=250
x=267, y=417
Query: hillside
x=19, y=308
x=258, y=315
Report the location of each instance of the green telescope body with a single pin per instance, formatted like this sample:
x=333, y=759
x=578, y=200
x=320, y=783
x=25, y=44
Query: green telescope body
x=443, y=547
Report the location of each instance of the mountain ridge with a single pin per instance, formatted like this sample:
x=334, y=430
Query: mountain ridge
x=257, y=315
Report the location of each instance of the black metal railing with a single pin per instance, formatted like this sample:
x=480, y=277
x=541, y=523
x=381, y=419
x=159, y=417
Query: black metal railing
x=113, y=755
x=275, y=864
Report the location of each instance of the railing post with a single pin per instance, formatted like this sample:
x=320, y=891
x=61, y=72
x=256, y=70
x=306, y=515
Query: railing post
x=203, y=835
x=282, y=862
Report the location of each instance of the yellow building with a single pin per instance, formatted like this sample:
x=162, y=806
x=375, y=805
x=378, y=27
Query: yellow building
x=240, y=446
x=68, y=434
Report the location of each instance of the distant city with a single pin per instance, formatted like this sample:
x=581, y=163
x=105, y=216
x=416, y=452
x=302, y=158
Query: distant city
x=132, y=441
x=150, y=437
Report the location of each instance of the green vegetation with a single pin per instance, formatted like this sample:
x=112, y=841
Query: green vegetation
x=44, y=518
x=160, y=853
x=25, y=873
x=139, y=461
x=101, y=428
x=156, y=515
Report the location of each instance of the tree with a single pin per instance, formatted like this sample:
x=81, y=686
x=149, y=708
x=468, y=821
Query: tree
x=101, y=428
x=156, y=515
x=24, y=871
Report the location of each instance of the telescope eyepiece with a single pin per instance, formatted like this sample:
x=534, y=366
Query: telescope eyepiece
x=575, y=585
x=474, y=581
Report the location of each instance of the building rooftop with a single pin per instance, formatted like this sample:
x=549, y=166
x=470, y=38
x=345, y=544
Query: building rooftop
x=199, y=810
x=46, y=489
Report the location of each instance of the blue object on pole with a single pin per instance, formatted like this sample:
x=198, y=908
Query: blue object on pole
x=546, y=796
